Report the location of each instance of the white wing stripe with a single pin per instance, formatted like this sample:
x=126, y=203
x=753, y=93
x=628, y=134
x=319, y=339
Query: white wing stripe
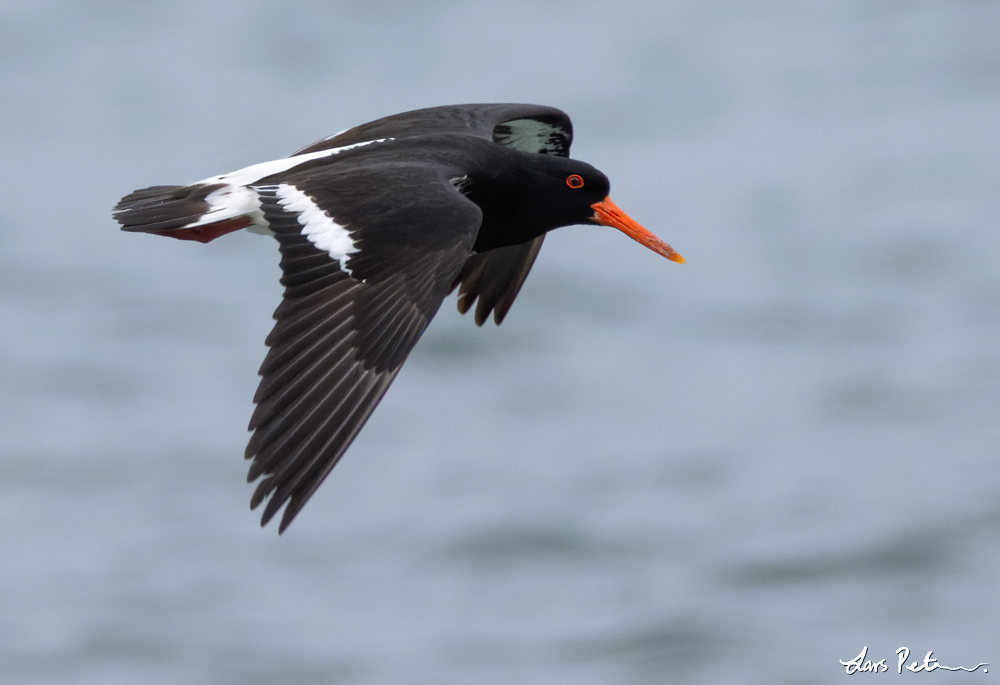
x=318, y=226
x=235, y=199
x=253, y=173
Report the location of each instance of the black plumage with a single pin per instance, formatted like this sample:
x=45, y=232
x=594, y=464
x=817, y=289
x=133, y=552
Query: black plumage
x=376, y=225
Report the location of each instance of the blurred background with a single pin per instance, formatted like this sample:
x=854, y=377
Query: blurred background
x=739, y=470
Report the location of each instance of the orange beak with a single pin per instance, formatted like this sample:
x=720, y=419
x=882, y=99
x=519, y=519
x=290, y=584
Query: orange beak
x=607, y=213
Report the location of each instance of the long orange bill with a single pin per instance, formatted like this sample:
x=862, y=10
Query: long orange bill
x=607, y=213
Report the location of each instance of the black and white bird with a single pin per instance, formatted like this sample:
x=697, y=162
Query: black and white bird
x=376, y=225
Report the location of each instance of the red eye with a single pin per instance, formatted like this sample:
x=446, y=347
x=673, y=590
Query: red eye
x=574, y=181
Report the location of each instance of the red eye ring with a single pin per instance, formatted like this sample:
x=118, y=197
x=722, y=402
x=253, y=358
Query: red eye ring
x=574, y=181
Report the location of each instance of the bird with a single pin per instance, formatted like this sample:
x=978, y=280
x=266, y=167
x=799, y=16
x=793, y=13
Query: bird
x=376, y=225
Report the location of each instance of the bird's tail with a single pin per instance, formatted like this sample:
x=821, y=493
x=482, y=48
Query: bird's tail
x=199, y=212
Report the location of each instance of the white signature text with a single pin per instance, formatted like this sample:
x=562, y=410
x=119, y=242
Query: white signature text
x=861, y=664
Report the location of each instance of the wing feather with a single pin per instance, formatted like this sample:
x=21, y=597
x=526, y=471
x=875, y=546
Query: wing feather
x=495, y=278
x=341, y=335
x=529, y=128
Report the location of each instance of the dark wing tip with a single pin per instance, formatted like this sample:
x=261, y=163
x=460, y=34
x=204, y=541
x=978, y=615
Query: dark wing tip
x=264, y=489
x=495, y=279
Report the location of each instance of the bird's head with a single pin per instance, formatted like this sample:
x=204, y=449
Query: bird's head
x=577, y=193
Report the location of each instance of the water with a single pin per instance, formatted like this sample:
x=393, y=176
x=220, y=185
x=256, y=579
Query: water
x=739, y=470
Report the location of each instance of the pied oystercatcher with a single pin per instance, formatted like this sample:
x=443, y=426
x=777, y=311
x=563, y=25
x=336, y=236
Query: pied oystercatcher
x=376, y=225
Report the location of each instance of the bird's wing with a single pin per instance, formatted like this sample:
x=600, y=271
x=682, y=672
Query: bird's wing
x=528, y=128
x=367, y=257
x=495, y=278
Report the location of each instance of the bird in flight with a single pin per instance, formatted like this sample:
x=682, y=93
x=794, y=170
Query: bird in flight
x=376, y=226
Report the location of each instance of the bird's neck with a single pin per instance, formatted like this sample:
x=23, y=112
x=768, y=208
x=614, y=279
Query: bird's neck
x=513, y=211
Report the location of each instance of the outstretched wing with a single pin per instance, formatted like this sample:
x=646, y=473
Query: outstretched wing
x=528, y=128
x=363, y=274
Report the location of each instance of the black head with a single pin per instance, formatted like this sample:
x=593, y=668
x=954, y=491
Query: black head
x=541, y=192
x=563, y=191
x=531, y=194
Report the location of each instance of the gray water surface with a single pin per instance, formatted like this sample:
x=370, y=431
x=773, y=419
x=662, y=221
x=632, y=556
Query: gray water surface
x=739, y=470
